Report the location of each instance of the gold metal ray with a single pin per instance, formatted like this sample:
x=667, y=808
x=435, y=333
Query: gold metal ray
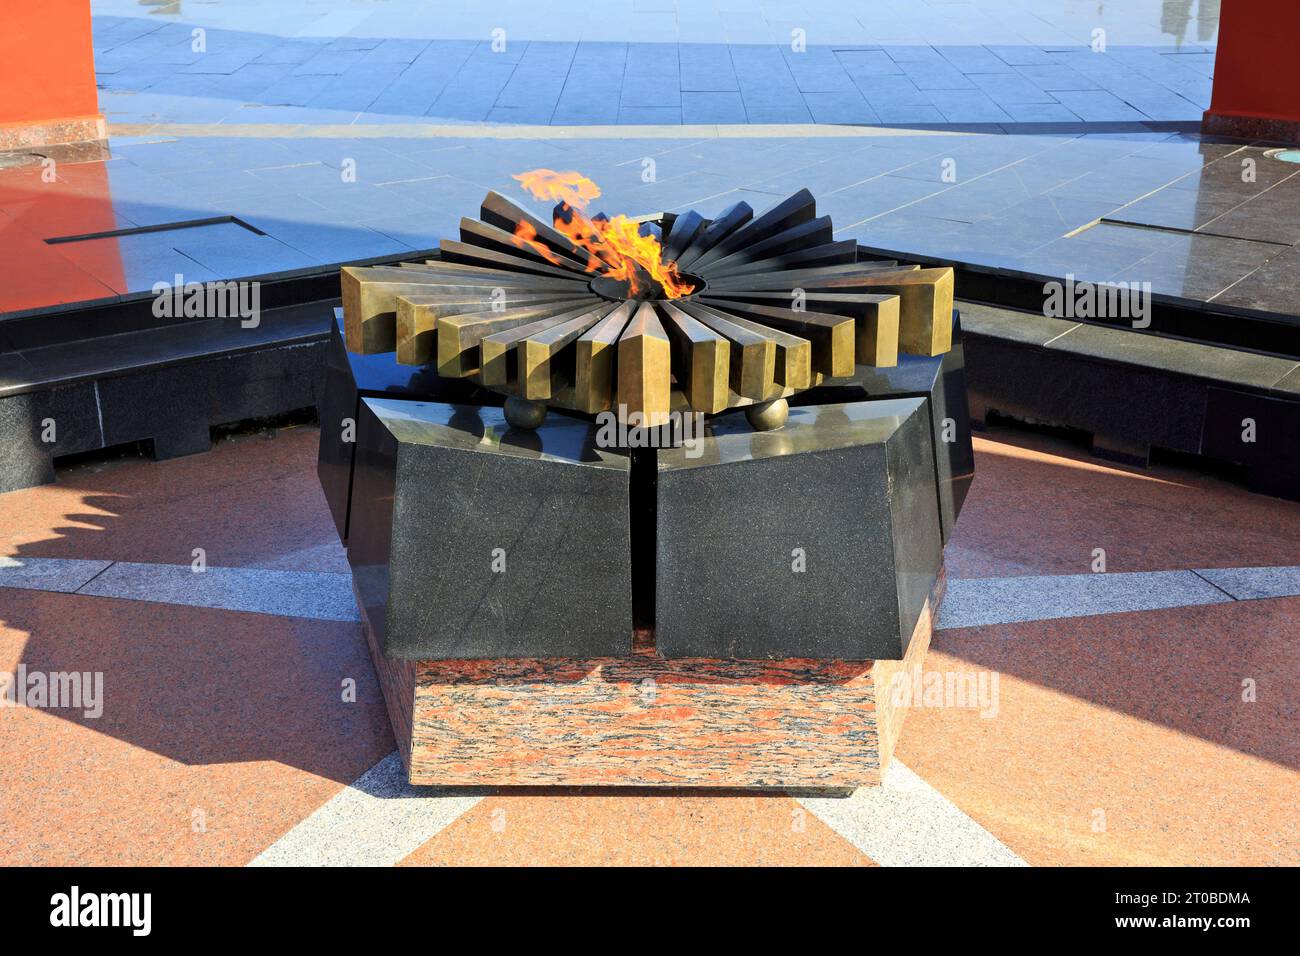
x=417, y=317
x=536, y=351
x=593, y=379
x=832, y=335
x=753, y=354
x=645, y=369
x=459, y=335
x=701, y=359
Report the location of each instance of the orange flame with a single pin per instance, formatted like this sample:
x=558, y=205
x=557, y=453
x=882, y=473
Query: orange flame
x=615, y=247
x=526, y=238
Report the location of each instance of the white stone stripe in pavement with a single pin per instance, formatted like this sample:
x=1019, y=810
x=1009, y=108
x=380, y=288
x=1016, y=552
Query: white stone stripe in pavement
x=321, y=595
x=1247, y=584
x=906, y=822
x=376, y=821
x=969, y=602
x=418, y=130
x=48, y=574
x=381, y=819
x=977, y=602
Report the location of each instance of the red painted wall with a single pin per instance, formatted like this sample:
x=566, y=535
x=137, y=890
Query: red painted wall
x=47, y=63
x=1256, y=71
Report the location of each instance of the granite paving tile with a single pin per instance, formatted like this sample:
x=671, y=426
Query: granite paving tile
x=218, y=732
x=378, y=820
x=906, y=822
x=1271, y=287
x=1097, y=106
x=318, y=596
x=975, y=59
x=1040, y=113
x=891, y=91
x=1201, y=267
x=1022, y=55
x=1054, y=505
x=672, y=828
x=1011, y=88
x=907, y=113
x=1174, y=209
x=935, y=74
x=760, y=112
x=861, y=65
x=968, y=106
x=714, y=107
x=850, y=107
x=1051, y=76
x=1138, y=683
x=1272, y=216
x=874, y=197
x=983, y=601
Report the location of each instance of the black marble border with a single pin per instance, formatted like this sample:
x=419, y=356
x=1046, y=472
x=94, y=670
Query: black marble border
x=1194, y=400
x=167, y=387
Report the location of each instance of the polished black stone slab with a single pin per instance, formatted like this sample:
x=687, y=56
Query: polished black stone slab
x=1123, y=406
x=166, y=387
x=86, y=360
x=1135, y=393
x=1029, y=328
x=1225, y=366
x=73, y=323
x=67, y=415
x=848, y=489
x=941, y=381
x=27, y=459
x=469, y=539
x=1262, y=433
x=175, y=405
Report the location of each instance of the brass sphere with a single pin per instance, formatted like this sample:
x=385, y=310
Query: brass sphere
x=521, y=413
x=765, y=416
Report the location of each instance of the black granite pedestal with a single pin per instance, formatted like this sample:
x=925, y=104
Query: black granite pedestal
x=860, y=459
x=941, y=381
x=469, y=539
x=733, y=612
x=818, y=540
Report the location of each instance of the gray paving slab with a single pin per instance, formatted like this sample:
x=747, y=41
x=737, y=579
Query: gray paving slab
x=1157, y=72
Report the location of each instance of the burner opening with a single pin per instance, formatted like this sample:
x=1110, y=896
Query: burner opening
x=647, y=289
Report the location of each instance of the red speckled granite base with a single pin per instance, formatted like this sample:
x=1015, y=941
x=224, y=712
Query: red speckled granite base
x=1251, y=127
x=646, y=721
x=81, y=129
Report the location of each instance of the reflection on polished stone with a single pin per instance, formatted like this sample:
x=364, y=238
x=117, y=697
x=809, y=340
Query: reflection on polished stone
x=1032, y=191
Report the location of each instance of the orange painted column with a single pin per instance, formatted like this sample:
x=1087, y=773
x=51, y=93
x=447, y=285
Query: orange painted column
x=1256, y=77
x=47, y=74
